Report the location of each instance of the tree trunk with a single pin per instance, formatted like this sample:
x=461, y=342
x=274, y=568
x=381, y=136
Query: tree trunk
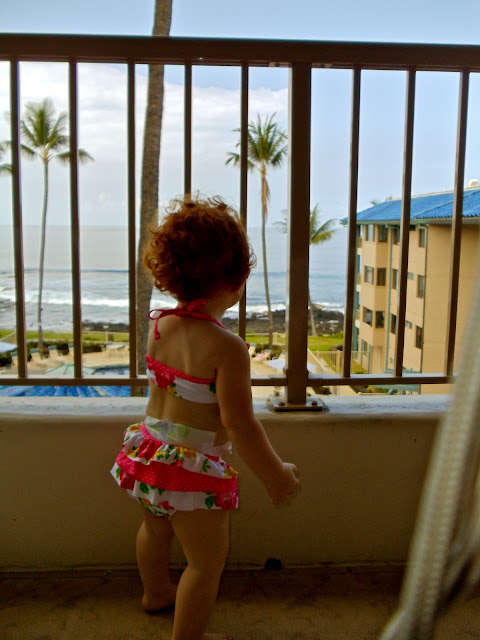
x=150, y=182
x=264, y=255
x=42, y=258
x=312, y=314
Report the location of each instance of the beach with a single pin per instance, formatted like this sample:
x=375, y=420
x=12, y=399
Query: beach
x=327, y=321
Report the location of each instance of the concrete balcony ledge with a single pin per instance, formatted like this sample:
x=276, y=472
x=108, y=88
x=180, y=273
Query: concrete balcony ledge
x=362, y=465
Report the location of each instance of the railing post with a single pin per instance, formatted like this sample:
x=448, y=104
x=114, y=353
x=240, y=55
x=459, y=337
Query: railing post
x=132, y=268
x=75, y=222
x=351, y=283
x=457, y=214
x=188, y=131
x=298, y=240
x=405, y=222
x=17, y=219
x=242, y=307
x=299, y=131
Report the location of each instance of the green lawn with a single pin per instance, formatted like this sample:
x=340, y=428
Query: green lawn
x=318, y=343
x=52, y=336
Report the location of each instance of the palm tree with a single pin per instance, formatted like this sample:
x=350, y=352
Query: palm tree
x=5, y=167
x=150, y=179
x=318, y=234
x=266, y=147
x=43, y=136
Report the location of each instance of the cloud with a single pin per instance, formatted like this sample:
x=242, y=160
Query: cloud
x=102, y=127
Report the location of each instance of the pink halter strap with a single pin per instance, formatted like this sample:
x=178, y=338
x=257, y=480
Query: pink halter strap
x=191, y=310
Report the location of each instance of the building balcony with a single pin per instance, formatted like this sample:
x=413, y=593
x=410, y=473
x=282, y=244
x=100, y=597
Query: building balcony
x=341, y=546
x=334, y=556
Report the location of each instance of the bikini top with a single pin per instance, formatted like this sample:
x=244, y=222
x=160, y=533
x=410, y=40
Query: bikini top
x=176, y=382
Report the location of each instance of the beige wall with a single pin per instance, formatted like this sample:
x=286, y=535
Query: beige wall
x=361, y=466
x=437, y=292
x=430, y=313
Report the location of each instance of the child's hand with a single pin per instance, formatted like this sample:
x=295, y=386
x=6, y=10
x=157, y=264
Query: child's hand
x=284, y=485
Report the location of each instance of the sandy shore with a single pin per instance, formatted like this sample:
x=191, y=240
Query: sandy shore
x=326, y=320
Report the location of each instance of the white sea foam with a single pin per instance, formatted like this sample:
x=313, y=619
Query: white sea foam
x=104, y=287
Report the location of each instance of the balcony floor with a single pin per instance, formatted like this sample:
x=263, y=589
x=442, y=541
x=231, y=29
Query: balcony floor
x=280, y=605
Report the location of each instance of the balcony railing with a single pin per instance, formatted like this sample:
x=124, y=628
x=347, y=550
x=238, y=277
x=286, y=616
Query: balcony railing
x=300, y=58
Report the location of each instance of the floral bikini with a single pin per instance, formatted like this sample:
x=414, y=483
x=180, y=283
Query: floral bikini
x=168, y=466
x=177, y=382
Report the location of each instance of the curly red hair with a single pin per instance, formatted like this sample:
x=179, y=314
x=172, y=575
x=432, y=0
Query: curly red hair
x=199, y=250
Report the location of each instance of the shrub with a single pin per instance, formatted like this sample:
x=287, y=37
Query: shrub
x=6, y=359
x=276, y=349
x=92, y=348
x=62, y=348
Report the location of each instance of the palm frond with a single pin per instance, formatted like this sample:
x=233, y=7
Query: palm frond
x=66, y=156
x=233, y=158
x=84, y=156
x=282, y=225
x=266, y=142
x=7, y=145
x=6, y=169
x=27, y=152
x=27, y=133
x=41, y=129
x=320, y=232
x=63, y=158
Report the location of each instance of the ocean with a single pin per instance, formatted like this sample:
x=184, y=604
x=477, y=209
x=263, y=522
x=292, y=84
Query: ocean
x=104, y=276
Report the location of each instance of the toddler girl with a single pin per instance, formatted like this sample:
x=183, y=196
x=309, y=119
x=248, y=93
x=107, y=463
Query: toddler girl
x=200, y=403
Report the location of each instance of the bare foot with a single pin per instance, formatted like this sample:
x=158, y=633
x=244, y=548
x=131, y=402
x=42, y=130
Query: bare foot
x=160, y=602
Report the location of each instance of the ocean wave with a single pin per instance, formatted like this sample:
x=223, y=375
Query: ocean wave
x=56, y=300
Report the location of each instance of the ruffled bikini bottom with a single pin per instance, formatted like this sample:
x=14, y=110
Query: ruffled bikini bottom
x=169, y=467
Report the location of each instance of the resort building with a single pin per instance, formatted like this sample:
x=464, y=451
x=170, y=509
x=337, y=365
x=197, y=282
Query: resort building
x=378, y=268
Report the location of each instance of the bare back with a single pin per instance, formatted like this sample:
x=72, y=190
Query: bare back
x=192, y=346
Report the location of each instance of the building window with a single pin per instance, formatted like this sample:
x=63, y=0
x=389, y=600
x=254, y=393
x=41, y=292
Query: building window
x=365, y=347
x=418, y=337
x=381, y=277
x=369, y=275
x=394, y=278
x=396, y=235
x=422, y=237
x=420, y=286
x=367, y=316
x=393, y=323
x=410, y=275
x=379, y=319
x=370, y=236
x=409, y=325
x=382, y=233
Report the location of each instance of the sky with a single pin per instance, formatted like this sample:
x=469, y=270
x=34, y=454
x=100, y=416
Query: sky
x=216, y=108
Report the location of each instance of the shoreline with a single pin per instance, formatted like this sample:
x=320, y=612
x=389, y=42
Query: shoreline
x=327, y=322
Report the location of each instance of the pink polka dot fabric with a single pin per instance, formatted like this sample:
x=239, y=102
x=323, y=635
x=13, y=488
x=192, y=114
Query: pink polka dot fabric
x=165, y=476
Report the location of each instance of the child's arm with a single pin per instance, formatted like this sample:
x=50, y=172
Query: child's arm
x=247, y=434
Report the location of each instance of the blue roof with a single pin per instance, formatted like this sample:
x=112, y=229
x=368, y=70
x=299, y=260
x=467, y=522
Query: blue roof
x=430, y=207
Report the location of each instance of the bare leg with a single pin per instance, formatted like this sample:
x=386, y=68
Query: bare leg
x=204, y=538
x=153, y=549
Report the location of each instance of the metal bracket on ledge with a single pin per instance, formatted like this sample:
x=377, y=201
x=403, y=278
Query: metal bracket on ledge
x=277, y=402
